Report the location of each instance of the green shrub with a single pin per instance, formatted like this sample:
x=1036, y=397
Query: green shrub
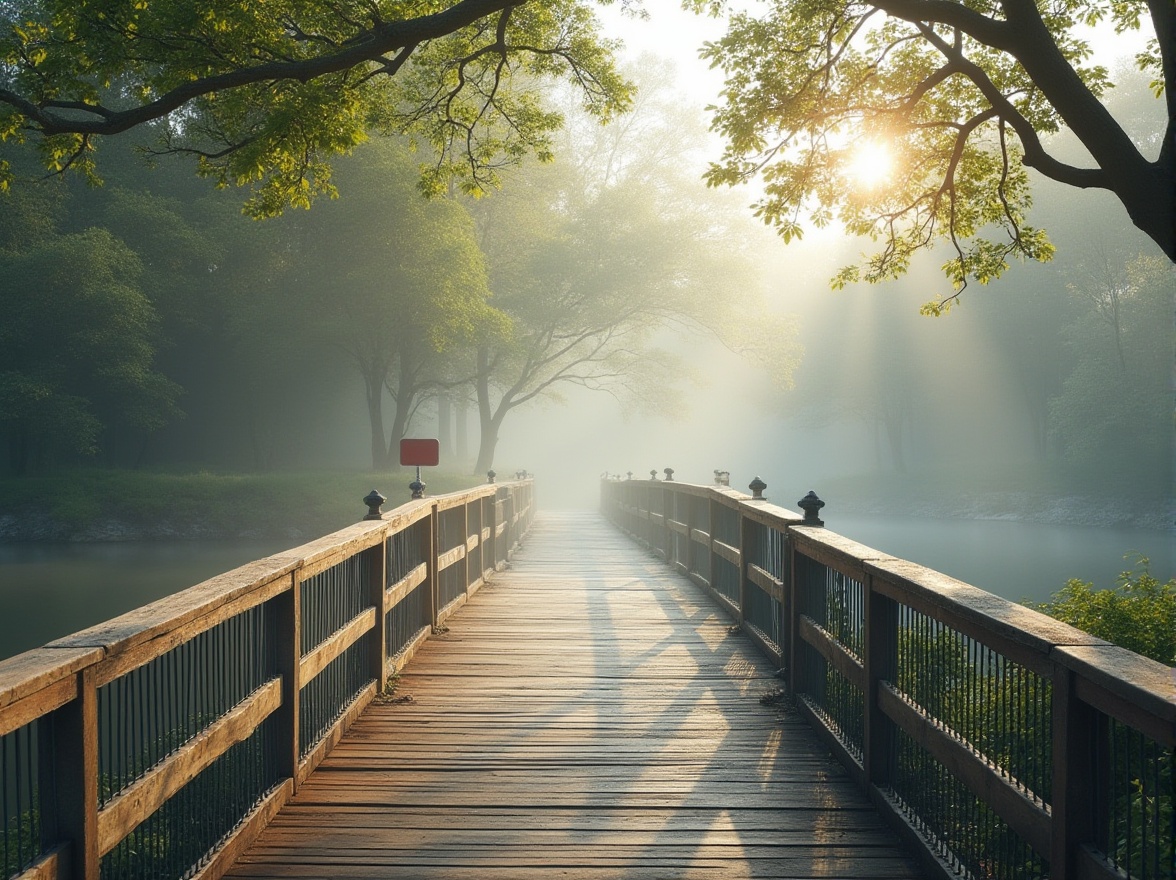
x=1138, y=614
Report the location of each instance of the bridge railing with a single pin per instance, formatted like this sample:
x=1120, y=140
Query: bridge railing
x=1001, y=742
x=159, y=743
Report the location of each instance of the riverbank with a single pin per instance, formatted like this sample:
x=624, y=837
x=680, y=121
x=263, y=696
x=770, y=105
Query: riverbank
x=95, y=505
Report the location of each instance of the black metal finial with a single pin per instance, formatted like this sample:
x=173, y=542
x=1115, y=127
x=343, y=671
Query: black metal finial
x=653, y=474
x=811, y=504
x=418, y=488
x=490, y=475
x=630, y=475
x=757, y=487
x=722, y=478
x=373, y=500
x=669, y=472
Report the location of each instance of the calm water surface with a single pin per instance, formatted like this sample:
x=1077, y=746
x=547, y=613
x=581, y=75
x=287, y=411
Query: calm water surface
x=1014, y=560
x=50, y=590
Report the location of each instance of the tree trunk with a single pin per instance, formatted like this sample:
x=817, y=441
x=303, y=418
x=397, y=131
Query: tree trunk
x=489, y=420
x=488, y=442
x=405, y=395
x=463, y=432
x=445, y=426
x=375, y=402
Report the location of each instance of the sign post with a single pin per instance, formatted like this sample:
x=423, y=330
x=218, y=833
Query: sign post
x=421, y=453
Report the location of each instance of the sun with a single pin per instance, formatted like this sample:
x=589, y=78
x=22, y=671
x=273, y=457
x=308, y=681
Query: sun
x=870, y=164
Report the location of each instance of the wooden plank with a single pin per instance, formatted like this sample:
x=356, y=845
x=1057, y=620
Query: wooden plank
x=1023, y=815
x=585, y=715
x=38, y=704
x=74, y=765
x=313, y=663
x=698, y=536
x=680, y=527
x=767, y=514
x=176, y=611
x=834, y=551
x=731, y=554
x=51, y=866
x=396, y=593
x=28, y=673
x=1137, y=691
x=144, y=652
x=766, y=581
x=146, y=795
x=398, y=661
x=1092, y=865
x=323, y=747
x=246, y=833
x=458, y=499
x=451, y=557
x=833, y=651
x=330, y=550
x=1023, y=635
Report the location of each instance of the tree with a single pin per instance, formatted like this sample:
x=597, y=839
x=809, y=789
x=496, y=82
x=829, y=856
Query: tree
x=387, y=278
x=600, y=261
x=1139, y=613
x=959, y=98
x=1114, y=409
x=266, y=93
x=76, y=348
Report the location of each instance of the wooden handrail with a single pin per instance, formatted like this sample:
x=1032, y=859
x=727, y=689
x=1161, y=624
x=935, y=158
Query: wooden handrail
x=51, y=697
x=890, y=609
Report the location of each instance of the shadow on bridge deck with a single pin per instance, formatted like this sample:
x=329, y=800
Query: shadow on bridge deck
x=587, y=715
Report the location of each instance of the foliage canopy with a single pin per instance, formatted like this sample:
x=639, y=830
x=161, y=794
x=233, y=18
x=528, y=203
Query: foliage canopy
x=264, y=93
x=1138, y=614
x=961, y=96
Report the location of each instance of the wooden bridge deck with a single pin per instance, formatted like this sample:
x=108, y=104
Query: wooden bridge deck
x=587, y=716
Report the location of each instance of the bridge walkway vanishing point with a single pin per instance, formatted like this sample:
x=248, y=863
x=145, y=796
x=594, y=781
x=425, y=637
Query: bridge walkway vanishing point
x=589, y=714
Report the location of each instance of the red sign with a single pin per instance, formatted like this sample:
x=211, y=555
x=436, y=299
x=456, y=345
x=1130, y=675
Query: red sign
x=422, y=453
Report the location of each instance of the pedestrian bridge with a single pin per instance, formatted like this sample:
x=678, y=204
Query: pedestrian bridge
x=694, y=683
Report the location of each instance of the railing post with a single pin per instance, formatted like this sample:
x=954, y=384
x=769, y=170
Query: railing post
x=75, y=732
x=712, y=570
x=377, y=585
x=1075, y=787
x=746, y=554
x=689, y=561
x=791, y=613
x=286, y=623
x=467, y=560
x=494, y=530
x=429, y=552
x=880, y=656
x=667, y=506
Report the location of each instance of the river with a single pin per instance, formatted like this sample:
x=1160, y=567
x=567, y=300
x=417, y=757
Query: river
x=51, y=590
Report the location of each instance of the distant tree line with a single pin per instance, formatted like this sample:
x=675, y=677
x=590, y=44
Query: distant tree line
x=147, y=322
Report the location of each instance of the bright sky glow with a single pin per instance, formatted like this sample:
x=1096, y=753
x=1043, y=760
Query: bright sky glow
x=870, y=164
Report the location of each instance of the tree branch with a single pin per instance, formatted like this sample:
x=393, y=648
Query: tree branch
x=370, y=46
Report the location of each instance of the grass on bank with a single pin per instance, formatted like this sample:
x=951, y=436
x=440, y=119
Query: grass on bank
x=211, y=504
